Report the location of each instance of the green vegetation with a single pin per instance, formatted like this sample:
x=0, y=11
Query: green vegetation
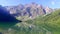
x=6, y=25
x=49, y=24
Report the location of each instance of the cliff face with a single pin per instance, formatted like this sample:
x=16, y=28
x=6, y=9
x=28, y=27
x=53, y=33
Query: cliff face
x=30, y=10
x=5, y=15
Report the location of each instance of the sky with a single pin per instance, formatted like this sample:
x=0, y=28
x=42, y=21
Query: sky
x=49, y=3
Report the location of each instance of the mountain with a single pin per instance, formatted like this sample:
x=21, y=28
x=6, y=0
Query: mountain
x=48, y=10
x=49, y=24
x=6, y=19
x=5, y=15
x=31, y=10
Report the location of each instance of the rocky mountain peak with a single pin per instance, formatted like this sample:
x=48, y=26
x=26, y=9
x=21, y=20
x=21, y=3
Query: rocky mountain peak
x=48, y=10
x=31, y=10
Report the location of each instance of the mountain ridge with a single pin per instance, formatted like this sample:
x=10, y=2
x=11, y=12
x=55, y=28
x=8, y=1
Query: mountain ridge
x=31, y=10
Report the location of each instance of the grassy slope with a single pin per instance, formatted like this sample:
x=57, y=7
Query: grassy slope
x=51, y=22
x=40, y=25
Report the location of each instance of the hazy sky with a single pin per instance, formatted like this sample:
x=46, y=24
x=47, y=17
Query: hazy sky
x=50, y=3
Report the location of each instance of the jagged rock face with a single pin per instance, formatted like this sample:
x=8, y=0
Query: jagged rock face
x=5, y=16
x=48, y=10
x=31, y=10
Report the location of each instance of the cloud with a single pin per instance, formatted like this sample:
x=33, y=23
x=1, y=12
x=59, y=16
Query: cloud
x=53, y=2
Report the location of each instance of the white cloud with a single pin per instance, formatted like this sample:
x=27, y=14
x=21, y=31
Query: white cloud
x=53, y=2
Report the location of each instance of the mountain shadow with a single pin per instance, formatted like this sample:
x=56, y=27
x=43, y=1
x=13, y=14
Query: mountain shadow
x=6, y=18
